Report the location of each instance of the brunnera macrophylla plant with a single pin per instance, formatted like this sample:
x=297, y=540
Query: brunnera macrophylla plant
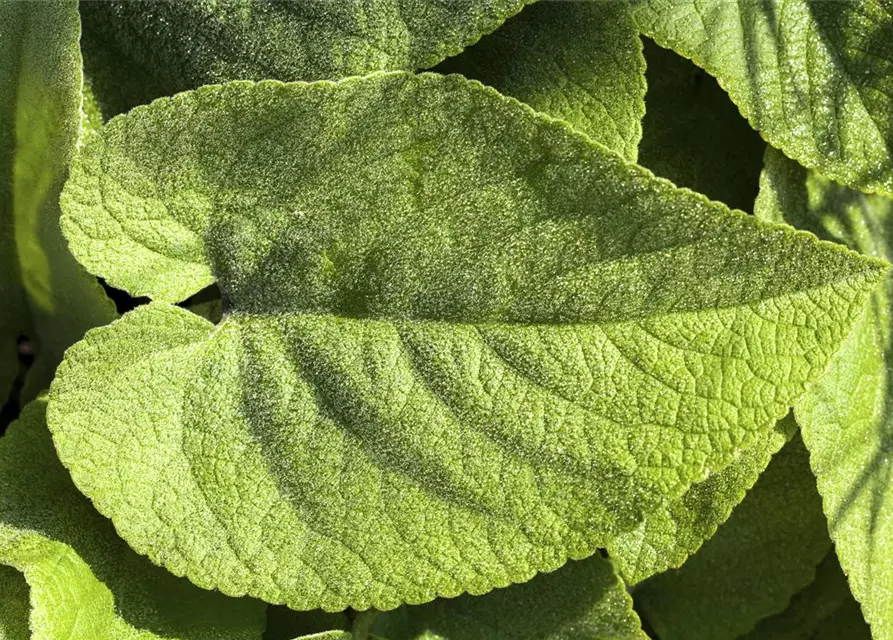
x=446, y=320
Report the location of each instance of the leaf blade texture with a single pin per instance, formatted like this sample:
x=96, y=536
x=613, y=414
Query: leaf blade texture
x=494, y=341
x=814, y=78
x=137, y=51
x=14, y=605
x=763, y=555
x=845, y=417
x=578, y=61
x=85, y=582
x=583, y=599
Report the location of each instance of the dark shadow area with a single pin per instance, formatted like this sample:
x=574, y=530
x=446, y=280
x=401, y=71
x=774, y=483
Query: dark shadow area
x=124, y=302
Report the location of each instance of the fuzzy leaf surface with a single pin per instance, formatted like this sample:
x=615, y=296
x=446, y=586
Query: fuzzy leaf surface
x=764, y=554
x=44, y=79
x=578, y=61
x=138, y=50
x=583, y=600
x=847, y=417
x=824, y=609
x=670, y=534
x=14, y=605
x=814, y=78
x=85, y=582
x=462, y=341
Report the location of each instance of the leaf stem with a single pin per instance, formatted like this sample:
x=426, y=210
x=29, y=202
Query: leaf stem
x=363, y=623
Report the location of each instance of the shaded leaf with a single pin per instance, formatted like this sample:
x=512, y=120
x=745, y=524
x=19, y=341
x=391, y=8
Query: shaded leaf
x=764, y=554
x=578, y=61
x=584, y=600
x=673, y=532
x=814, y=78
x=693, y=135
x=14, y=606
x=824, y=609
x=458, y=349
x=846, y=416
x=85, y=581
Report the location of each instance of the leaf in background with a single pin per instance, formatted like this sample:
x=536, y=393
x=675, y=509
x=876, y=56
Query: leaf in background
x=578, y=61
x=284, y=623
x=673, y=532
x=14, y=605
x=814, y=78
x=693, y=135
x=45, y=114
x=458, y=348
x=847, y=416
x=583, y=600
x=825, y=605
x=139, y=50
x=13, y=306
x=764, y=554
x=85, y=582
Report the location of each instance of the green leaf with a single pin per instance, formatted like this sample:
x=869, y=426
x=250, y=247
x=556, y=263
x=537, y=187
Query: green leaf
x=138, y=50
x=824, y=605
x=764, y=554
x=583, y=600
x=693, y=134
x=670, y=534
x=284, y=623
x=846, y=416
x=85, y=581
x=44, y=78
x=14, y=606
x=578, y=61
x=458, y=349
x=814, y=78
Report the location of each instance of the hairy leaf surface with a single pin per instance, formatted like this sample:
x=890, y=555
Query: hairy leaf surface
x=693, y=135
x=14, y=606
x=584, y=600
x=814, y=78
x=85, y=582
x=42, y=77
x=846, y=417
x=824, y=609
x=673, y=532
x=462, y=341
x=578, y=61
x=764, y=554
x=138, y=50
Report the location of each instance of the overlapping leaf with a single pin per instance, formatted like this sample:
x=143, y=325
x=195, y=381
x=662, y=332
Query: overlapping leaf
x=85, y=582
x=846, y=417
x=814, y=78
x=578, y=61
x=41, y=118
x=584, y=600
x=758, y=560
x=825, y=610
x=673, y=532
x=462, y=342
x=138, y=50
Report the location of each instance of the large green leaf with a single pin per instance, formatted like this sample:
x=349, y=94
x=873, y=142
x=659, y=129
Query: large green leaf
x=673, y=532
x=578, y=61
x=764, y=554
x=85, y=581
x=43, y=77
x=693, y=134
x=814, y=78
x=584, y=600
x=846, y=417
x=138, y=50
x=824, y=609
x=462, y=341
x=14, y=605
